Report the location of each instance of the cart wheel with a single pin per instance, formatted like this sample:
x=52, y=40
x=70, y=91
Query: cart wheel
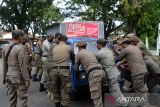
x=74, y=96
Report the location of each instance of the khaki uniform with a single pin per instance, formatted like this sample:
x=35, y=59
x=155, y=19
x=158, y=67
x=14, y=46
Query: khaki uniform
x=49, y=67
x=95, y=77
x=106, y=58
x=59, y=76
x=16, y=75
x=46, y=46
x=37, y=57
x=138, y=70
x=154, y=71
x=146, y=52
x=27, y=48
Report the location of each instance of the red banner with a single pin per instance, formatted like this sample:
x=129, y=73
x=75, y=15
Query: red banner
x=80, y=29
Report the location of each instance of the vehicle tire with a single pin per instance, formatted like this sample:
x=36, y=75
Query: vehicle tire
x=0, y=54
x=74, y=96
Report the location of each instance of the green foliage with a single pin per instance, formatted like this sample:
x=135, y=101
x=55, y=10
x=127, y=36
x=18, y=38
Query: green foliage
x=143, y=17
x=150, y=17
x=97, y=10
x=28, y=14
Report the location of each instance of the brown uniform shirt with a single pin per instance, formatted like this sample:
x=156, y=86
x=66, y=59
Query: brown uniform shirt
x=61, y=54
x=87, y=59
x=39, y=48
x=17, y=63
x=135, y=60
x=28, y=49
x=143, y=48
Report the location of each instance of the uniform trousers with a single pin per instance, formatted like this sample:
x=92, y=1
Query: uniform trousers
x=95, y=82
x=60, y=82
x=18, y=93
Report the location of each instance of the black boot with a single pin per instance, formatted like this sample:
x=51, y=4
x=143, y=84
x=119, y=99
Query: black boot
x=41, y=89
x=58, y=104
x=34, y=78
x=39, y=78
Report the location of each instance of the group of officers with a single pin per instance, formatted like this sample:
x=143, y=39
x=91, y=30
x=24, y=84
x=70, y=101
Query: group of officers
x=53, y=55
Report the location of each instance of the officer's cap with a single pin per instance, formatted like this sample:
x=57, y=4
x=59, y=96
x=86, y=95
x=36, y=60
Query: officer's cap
x=119, y=42
x=130, y=35
x=134, y=39
x=80, y=44
x=125, y=40
x=17, y=33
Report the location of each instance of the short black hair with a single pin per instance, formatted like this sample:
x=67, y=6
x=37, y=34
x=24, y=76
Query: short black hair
x=26, y=38
x=102, y=42
x=83, y=47
x=17, y=33
x=63, y=38
x=127, y=42
x=57, y=35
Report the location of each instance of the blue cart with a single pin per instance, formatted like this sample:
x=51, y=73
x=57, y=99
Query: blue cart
x=79, y=79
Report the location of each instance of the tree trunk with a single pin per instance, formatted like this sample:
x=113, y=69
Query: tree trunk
x=132, y=23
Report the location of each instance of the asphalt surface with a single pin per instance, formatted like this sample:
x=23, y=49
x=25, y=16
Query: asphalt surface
x=37, y=99
x=40, y=99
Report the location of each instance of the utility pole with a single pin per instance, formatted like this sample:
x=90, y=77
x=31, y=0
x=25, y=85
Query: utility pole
x=158, y=39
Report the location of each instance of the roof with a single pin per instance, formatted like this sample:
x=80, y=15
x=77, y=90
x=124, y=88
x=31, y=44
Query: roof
x=52, y=25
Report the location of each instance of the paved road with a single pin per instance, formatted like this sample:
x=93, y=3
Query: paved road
x=37, y=99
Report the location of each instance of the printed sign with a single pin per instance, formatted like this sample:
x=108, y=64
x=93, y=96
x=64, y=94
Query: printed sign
x=82, y=29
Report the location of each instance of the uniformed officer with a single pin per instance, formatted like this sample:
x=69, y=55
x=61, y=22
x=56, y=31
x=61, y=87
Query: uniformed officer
x=59, y=76
x=137, y=42
x=38, y=61
x=50, y=64
x=46, y=46
x=154, y=73
x=106, y=58
x=28, y=51
x=138, y=70
x=94, y=70
x=152, y=62
x=15, y=72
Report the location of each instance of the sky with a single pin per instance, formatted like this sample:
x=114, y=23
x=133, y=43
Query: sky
x=61, y=4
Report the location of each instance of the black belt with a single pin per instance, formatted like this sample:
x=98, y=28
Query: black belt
x=61, y=67
x=45, y=56
x=93, y=69
x=38, y=53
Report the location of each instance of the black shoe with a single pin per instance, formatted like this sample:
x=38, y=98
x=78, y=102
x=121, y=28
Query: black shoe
x=34, y=78
x=64, y=106
x=39, y=78
x=58, y=104
x=41, y=89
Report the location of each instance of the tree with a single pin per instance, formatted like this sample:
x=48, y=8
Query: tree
x=136, y=16
x=139, y=13
x=26, y=14
x=150, y=17
x=107, y=11
x=142, y=18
